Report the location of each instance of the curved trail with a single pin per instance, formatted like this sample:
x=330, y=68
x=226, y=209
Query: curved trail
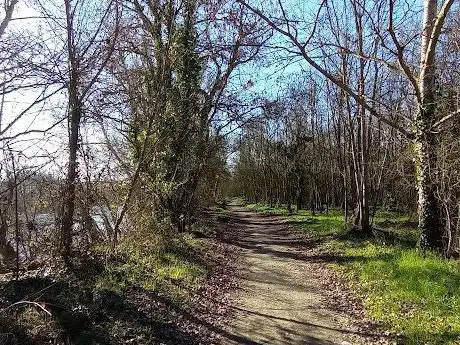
x=281, y=299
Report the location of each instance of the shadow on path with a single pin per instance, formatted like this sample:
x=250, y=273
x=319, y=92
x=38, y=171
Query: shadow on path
x=281, y=298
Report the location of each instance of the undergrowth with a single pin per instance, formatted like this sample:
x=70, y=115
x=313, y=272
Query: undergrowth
x=144, y=260
x=415, y=294
x=115, y=298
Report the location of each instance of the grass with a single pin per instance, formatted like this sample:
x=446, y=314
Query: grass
x=413, y=293
x=416, y=294
x=172, y=268
x=320, y=224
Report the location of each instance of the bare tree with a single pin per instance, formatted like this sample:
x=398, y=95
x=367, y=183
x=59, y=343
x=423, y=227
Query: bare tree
x=89, y=36
x=420, y=129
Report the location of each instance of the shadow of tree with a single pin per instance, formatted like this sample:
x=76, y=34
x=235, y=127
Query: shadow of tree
x=81, y=316
x=71, y=309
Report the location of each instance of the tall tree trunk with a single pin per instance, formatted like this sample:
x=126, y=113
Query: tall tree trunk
x=430, y=225
x=429, y=210
x=68, y=208
x=75, y=112
x=362, y=130
x=299, y=191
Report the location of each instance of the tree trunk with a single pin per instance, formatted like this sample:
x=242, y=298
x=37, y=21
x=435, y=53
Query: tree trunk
x=299, y=198
x=75, y=112
x=362, y=130
x=68, y=208
x=430, y=225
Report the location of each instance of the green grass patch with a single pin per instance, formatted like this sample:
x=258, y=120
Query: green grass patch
x=267, y=209
x=320, y=224
x=413, y=293
x=148, y=262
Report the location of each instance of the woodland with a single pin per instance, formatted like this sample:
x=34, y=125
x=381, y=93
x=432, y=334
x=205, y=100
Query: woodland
x=128, y=127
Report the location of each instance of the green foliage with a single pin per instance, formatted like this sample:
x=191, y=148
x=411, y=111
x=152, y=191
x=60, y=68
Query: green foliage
x=181, y=158
x=170, y=128
x=187, y=62
x=415, y=294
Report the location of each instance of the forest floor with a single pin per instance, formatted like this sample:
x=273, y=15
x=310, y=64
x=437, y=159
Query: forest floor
x=288, y=294
x=140, y=296
x=247, y=278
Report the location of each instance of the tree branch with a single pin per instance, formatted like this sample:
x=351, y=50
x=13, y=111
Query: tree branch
x=326, y=74
x=400, y=56
x=446, y=118
x=435, y=33
x=9, y=9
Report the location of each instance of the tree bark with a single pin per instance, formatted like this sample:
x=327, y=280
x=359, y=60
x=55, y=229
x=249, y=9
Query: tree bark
x=75, y=112
x=68, y=208
x=430, y=225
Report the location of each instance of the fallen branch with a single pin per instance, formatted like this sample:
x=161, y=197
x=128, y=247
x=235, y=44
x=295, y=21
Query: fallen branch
x=27, y=302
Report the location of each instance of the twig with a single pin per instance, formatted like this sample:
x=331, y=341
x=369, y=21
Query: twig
x=27, y=302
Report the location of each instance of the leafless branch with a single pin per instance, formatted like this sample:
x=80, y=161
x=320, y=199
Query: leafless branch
x=326, y=74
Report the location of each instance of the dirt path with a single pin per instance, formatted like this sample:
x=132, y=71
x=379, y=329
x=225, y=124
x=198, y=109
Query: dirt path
x=282, y=299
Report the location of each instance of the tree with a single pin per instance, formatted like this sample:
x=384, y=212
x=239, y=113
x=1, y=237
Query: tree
x=89, y=43
x=430, y=223
x=420, y=128
x=185, y=65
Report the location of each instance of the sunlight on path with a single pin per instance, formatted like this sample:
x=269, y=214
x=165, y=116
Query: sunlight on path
x=280, y=300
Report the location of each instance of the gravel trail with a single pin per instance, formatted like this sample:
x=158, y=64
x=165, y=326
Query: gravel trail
x=284, y=297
